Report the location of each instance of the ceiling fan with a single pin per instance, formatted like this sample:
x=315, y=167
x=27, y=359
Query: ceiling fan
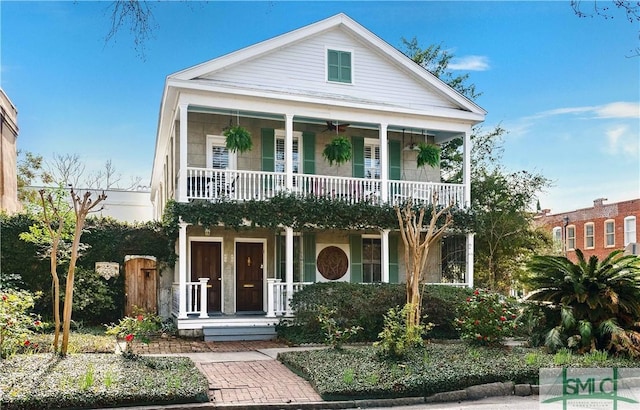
x=335, y=126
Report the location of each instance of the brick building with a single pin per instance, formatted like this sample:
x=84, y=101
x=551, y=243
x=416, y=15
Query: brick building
x=597, y=230
x=8, y=137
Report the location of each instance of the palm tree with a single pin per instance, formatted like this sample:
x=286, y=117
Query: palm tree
x=598, y=302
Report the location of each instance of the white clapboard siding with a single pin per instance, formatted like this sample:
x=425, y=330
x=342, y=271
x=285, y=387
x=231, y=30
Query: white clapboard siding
x=301, y=68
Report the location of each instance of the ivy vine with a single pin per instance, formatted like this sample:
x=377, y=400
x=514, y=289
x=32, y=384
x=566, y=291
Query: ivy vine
x=302, y=213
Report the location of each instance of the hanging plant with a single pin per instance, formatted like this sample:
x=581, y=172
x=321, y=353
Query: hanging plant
x=238, y=139
x=338, y=150
x=428, y=154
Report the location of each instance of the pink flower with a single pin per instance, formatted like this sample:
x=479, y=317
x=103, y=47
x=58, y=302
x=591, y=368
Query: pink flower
x=468, y=299
x=27, y=342
x=140, y=318
x=37, y=323
x=477, y=322
x=476, y=292
x=502, y=318
x=4, y=297
x=129, y=337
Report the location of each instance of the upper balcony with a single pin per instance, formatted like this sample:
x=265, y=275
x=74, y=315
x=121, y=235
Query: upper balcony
x=237, y=185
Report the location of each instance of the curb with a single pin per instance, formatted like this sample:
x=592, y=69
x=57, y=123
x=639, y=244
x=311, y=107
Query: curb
x=471, y=393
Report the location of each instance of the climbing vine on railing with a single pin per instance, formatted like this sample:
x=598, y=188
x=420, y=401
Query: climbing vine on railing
x=299, y=212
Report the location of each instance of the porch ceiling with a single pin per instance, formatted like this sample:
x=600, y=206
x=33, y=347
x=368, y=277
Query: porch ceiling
x=440, y=136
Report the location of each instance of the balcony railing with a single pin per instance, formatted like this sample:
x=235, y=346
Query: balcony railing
x=214, y=184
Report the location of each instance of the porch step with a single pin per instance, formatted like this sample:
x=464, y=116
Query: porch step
x=239, y=332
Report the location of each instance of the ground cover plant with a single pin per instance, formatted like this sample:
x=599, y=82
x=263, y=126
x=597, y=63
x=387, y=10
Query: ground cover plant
x=361, y=372
x=46, y=381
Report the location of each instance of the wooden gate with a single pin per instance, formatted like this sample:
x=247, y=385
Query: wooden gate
x=140, y=284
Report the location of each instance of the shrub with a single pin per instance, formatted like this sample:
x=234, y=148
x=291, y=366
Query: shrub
x=139, y=327
x=17, y=324
x=487, y=318
x=335, y=335
x=589, y=305
x=365, y=305
x=397, y=338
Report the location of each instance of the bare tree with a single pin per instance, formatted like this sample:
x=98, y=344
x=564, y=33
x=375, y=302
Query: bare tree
x=65, y=169
x=82, y=206
x=138, y=17
x=631, y=11
x=106, y=178
x=418, y=240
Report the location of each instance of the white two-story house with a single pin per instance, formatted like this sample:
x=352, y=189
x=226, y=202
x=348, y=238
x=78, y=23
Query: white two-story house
x=294, y=94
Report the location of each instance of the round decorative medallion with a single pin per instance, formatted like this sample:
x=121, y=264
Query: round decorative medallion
x=332, y=263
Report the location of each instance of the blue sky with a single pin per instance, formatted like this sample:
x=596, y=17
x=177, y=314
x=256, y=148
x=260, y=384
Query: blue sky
x=563, y=87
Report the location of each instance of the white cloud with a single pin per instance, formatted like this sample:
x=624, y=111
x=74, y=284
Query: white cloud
x=622, y=142
x=470, y=63
x=620, y=109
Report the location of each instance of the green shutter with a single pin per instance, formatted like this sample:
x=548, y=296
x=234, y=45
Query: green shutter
x=345, y=67
x=357, y=156
x=268, y=149
x=308, y=153
x=355, y=246
x=393, y=258
x=395, y=157
x=309, y=257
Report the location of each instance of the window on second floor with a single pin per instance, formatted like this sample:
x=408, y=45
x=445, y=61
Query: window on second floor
x=571, y=237
x=609, y=233
x=218, y=156
x=629, y=230
x=589, y=241
x=371, y=159
x=339, y=66
x=280, y=151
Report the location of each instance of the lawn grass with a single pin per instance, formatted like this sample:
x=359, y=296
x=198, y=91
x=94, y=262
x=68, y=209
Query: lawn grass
x=46, y=381
x=358, y=372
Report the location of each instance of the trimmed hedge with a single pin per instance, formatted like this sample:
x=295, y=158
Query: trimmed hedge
x=365, y=305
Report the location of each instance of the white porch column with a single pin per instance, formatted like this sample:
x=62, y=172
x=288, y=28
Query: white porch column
x=182, y=270
x=203, y=298
x=288, y=151
x=384, y=163
x=270, y=297
x=466, y=171
x=384, y=257
x=289, y=265
x=469, y=264
x=182, y=165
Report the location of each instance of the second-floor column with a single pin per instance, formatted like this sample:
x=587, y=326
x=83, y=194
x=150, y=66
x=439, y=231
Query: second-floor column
x=182, y=163
x=384, y=163
x=466, y=172
x=288, y=151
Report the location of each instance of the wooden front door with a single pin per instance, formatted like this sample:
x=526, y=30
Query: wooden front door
x=206, y=258
x=249, y=283
x=140, y=285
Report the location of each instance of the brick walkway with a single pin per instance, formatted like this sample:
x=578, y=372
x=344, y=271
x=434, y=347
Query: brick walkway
x=240, y=382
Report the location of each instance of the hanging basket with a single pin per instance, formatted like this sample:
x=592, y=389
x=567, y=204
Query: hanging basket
x=428, y=154
x=238, y=139
x=338, y=150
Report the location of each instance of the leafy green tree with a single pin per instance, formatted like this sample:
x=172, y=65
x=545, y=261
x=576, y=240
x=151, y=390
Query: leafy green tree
x=594, y=304
x=52, y=233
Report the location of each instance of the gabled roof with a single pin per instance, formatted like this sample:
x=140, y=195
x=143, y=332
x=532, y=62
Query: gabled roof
x=341, y=21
